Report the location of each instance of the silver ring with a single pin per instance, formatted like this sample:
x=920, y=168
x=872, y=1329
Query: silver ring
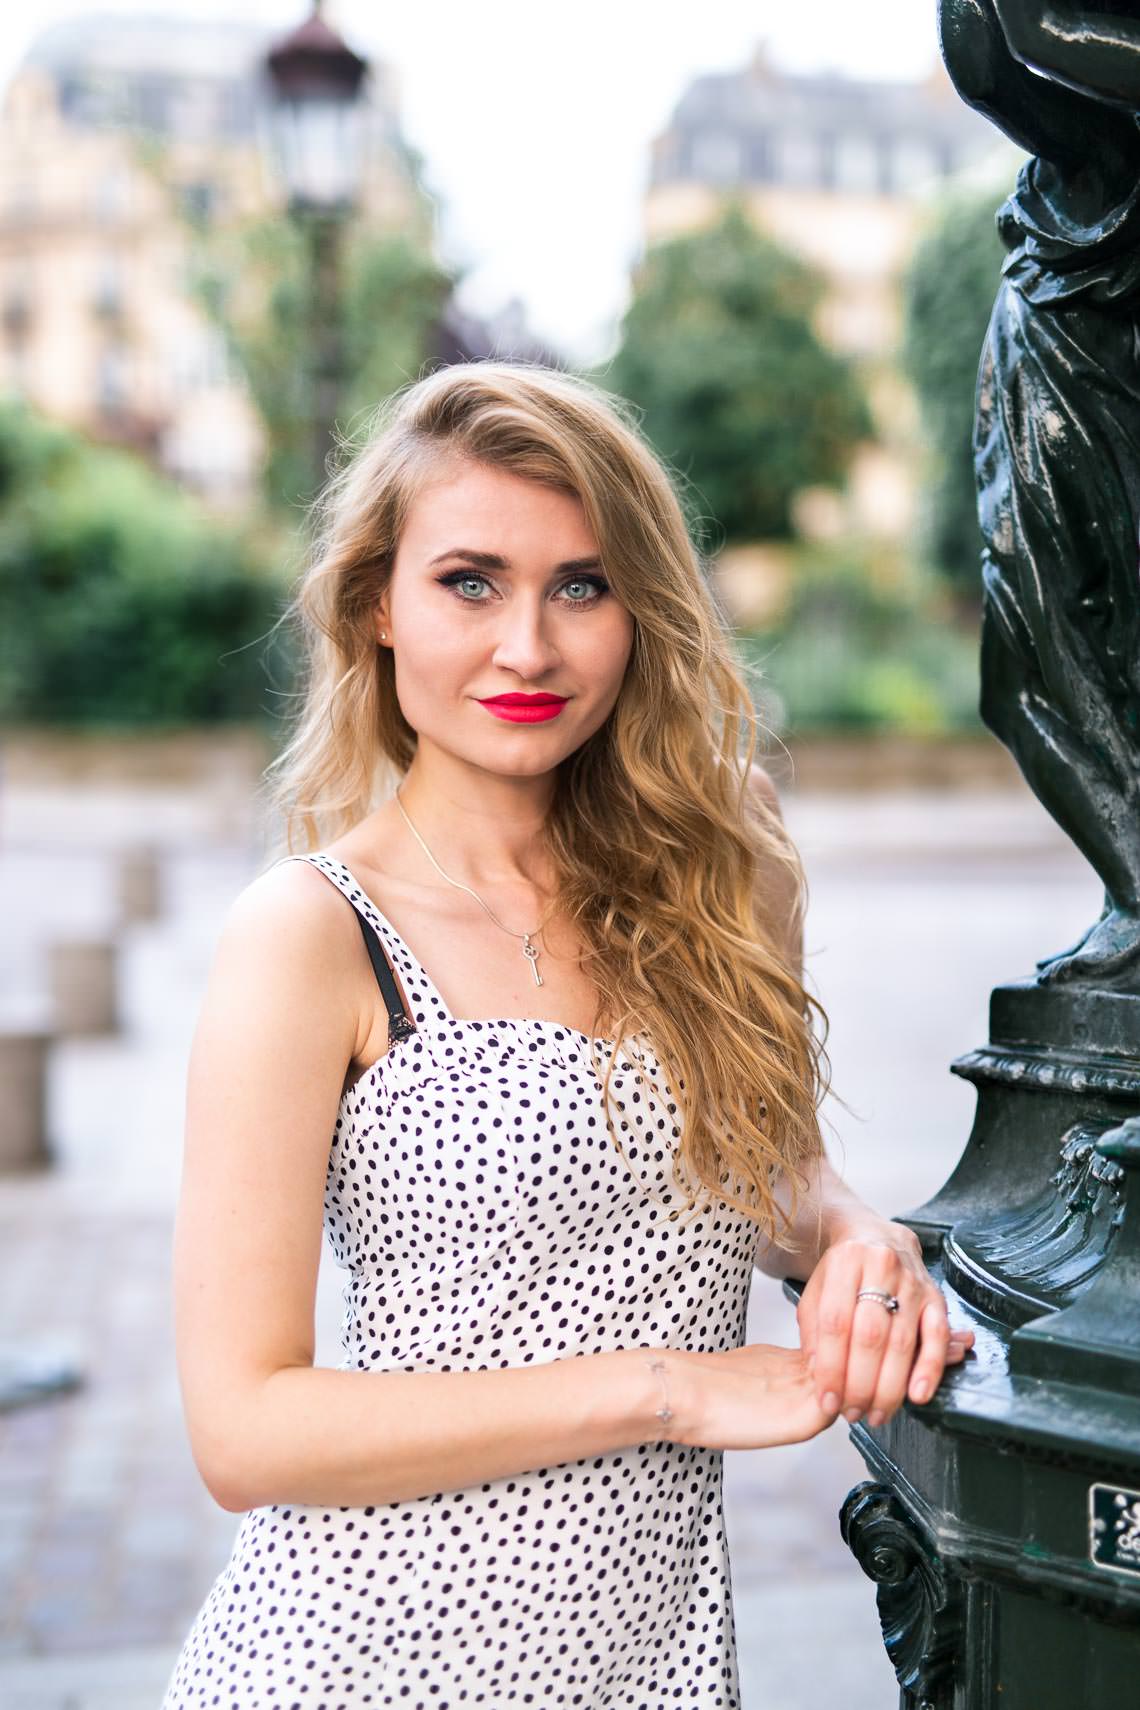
x=890, y=1301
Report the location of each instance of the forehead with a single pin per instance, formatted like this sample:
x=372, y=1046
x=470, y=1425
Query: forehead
x=493, y=510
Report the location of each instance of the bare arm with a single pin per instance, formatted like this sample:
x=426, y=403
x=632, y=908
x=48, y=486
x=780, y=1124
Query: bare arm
x=827, y=1211
x=842, y=1243
x=276, y=1033
x=1096, y=51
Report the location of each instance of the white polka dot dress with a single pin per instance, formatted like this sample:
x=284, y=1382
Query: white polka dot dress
x=486, y=1219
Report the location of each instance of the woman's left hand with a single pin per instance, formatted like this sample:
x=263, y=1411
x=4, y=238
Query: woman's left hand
x=866, y=1359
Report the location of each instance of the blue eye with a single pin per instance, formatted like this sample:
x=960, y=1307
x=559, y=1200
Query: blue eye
x=595, y=582
x=455, y=579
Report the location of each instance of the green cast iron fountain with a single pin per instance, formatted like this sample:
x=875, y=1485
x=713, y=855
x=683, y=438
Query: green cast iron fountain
x=1001, y=1521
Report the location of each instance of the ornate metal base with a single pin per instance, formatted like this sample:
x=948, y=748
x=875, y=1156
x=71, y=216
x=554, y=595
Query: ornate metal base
x=1001, y=1521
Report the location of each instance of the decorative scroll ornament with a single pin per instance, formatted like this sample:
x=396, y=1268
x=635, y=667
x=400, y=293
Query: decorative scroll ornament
x=921, y=1606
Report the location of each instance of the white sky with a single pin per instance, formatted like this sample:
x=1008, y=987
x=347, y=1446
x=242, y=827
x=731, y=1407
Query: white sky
x=534, y=121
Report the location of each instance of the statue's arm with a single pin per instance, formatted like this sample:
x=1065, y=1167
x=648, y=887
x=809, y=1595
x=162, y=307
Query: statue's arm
x=1096, y=53
x=1041, y=116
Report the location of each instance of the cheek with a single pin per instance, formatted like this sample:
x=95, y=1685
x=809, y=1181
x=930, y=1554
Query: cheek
x=431, y=651
x=433, y=666
x=608, y=649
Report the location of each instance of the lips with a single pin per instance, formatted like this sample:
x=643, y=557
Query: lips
x=524, y=709
x=517, y=700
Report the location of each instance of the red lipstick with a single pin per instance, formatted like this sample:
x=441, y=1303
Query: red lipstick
x=524, y=709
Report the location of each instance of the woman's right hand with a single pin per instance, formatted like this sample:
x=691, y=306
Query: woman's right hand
x=755, y=1397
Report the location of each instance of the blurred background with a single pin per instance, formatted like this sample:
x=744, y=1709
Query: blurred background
x=227, y=232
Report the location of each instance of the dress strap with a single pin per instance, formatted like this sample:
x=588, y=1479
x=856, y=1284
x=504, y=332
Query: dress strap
x=400, y=1023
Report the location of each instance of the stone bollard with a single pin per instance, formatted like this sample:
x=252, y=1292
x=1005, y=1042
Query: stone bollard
x=23, y=1099
x=83, y=979
x=139, y=886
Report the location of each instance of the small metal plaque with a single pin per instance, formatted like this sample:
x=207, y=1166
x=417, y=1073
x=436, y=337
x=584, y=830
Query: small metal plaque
x=1114, y=1528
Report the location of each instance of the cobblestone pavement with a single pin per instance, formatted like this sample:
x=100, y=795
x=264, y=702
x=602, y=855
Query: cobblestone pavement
x=109, y=1541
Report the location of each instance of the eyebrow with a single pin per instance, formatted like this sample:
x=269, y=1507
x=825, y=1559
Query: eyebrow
x=493, y=561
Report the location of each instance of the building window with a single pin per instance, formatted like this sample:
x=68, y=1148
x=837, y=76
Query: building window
x=112, y=193
x=19, y=292
x=107, y=296
x=111, y=381
x=760, y=158
x=914, y=163
x=150, y=104
x=198, y=201
x=856, y=163
x=799, y=159
x=717, y=158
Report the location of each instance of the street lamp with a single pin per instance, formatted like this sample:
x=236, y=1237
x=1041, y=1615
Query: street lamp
x=316, y=127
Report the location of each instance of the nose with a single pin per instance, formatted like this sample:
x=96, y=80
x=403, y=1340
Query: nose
x=523, y=643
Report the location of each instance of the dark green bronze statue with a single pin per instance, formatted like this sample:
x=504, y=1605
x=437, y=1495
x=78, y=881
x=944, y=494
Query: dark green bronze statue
x=1001, y=1522
x=1058, y=436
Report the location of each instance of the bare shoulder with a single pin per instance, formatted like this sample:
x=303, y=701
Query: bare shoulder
x=285, y=942
x=277, y=1009
x=291, y=898
x=762, y=791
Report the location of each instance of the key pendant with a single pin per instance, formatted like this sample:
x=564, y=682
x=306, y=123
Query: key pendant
x=530, y=951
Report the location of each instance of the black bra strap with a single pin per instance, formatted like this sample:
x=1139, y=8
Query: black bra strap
x=400, y=1025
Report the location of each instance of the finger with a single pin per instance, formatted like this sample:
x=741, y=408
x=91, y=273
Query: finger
x=895, y=1372
x=807, y=1320
x=871, y=1326
x=898, y=1359
x=833, y=1328
x=880, y=1338
x=934, y=1343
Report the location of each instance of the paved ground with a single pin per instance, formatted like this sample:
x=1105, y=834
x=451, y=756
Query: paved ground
x=108, y=1540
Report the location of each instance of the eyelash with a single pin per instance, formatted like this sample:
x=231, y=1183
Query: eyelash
x=451, y=578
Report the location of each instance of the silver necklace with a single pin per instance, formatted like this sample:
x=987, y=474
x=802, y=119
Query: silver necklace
x=529, y=950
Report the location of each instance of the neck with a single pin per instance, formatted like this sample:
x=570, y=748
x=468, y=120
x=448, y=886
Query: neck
x=483, y=829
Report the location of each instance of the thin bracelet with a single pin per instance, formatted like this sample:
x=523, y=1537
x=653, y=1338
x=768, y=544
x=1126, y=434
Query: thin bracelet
x=663, y=1413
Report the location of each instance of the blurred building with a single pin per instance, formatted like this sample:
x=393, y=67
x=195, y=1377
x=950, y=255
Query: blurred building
x=116, y=134
x=836, y=170
x=841, y=172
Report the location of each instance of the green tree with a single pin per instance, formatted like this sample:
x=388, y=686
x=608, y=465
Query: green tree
x=849, y=653
x=121, y=602
x=737, y=392
x=254, y=282
x=948, y=296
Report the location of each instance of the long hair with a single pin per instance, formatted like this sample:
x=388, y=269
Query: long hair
x=662, y=850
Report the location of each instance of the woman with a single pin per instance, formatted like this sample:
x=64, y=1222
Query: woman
x=509, y=1490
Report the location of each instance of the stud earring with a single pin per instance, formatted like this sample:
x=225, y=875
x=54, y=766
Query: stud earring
x=383, y=635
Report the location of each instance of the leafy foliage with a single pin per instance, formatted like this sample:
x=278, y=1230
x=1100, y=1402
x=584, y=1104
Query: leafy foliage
x=254, y=280
x=120, y=603
x=850, y=653
x=737, y=392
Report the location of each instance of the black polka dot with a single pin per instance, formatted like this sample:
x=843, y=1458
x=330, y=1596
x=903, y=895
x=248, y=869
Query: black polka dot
x=486, y=1219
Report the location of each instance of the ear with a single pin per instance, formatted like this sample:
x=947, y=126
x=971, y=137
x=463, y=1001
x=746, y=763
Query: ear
x=381, y=628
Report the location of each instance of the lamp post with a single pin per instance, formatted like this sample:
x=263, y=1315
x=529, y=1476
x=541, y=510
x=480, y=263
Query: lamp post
x=315, y=85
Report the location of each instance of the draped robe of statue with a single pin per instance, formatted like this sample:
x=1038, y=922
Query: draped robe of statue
x=1057, y=437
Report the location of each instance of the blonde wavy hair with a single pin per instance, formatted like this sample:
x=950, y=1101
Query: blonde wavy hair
x=660, y=842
